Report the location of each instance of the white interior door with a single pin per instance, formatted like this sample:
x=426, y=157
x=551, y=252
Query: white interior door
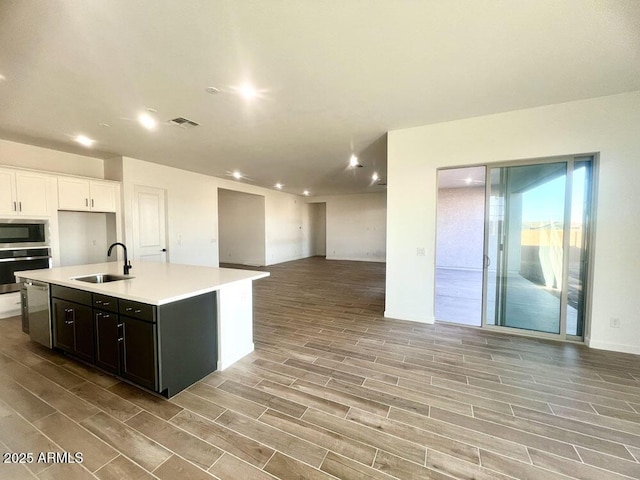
x=149, y=224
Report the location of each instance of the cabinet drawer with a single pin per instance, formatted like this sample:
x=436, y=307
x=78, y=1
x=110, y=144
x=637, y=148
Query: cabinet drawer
x=141, y=311
x=104, y=302
x=71, y=294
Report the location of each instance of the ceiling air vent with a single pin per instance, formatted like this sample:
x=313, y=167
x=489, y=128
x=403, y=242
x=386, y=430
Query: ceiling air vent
x=183, y=122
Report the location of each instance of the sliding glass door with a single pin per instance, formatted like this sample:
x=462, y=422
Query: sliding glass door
x=536, y=245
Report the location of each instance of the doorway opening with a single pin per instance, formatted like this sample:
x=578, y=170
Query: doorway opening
x=241, y=228
x=318, y=217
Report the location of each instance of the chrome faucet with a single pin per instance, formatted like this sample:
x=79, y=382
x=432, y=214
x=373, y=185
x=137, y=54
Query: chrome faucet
x=127, y=263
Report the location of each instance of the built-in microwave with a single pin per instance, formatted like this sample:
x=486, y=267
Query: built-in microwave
x=23, y=233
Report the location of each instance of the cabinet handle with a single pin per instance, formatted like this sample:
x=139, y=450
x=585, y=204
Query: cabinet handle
x=98, y=302
x=128, y=309
x=137, y=310
x=20, y=205
x=86, y=202
x=68, y=311
x=121, y=339
x=92, y=203
x=120, y=325
x=15, y=206
x=106, y=304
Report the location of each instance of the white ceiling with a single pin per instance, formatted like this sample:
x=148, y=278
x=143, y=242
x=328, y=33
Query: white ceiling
x=334, y=76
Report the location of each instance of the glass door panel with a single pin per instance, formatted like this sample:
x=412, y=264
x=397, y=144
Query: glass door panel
x=460, y=245
x=525, y=233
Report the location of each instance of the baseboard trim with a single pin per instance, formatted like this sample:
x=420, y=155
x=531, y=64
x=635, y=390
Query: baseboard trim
x=408, y=317
x=358, y=259
x=613, y=347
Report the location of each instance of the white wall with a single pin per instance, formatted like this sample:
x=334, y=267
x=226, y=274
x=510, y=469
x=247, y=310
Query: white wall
x=241, y=227
x=85, y=237
x=192, y=212
x=608, y=125
x=288, y=227
x=38, y=158
x=192, y=209
x=356, y=226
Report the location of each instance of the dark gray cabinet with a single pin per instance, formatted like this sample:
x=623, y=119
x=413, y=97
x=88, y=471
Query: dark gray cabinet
x=73, y=329
x=90, y=327
x=107, y=325
x=163, y=348
x=126, y=347
x=138, y=352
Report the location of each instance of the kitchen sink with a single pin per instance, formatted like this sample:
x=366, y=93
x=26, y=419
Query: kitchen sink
x=102, y=278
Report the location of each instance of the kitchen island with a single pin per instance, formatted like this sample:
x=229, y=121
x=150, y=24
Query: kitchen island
x=164, y=326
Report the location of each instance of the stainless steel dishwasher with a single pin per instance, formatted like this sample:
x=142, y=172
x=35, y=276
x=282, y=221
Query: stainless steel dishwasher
x=36, y=311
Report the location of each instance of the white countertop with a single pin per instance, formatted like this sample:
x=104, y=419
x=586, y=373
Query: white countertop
x=150, y=282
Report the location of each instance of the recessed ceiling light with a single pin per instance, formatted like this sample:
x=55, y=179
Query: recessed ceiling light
x=84, y=140
x=306, y=193
x=247, y=91
x=147, y=121
x=279, y=186
x=353, y=161
x=236, y=174
x=212, y=90
x=375, y=176
x=2, y=77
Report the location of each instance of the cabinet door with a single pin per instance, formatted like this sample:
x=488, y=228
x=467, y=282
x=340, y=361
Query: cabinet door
x=108, y=339
x=84, y=333
x=73, y=328
x=103, y=196
x=73, y=194
x=63, y=325
x=31, y=193
x=7, y=193
x=139, y=352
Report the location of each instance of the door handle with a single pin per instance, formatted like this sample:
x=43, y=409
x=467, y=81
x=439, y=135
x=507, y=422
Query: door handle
x=487, y=261
x=163, y=250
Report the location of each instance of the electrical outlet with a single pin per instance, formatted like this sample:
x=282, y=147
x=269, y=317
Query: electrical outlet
x=615, y=322
x=420, y=252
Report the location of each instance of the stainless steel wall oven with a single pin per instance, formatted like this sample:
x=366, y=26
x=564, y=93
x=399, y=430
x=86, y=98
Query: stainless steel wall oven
x=24, y=245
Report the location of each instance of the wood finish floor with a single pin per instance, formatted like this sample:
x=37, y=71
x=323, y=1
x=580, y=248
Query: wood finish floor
x=334, y=390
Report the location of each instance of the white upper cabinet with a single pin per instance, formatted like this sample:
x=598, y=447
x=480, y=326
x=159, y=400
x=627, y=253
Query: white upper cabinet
x=86, y=195
x=7, y=192
x=23, y=193
x=103, y=196
x=73, y=194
